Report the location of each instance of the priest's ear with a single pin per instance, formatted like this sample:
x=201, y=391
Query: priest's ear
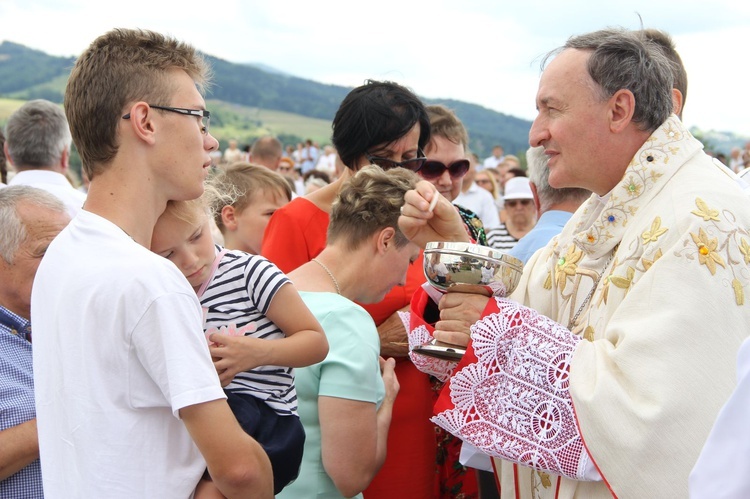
x=677, y=100
x=621, y=110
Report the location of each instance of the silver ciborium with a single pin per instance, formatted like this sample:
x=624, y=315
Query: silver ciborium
x=466, y=268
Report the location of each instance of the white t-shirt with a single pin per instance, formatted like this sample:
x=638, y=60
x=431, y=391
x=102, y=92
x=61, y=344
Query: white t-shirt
x=491, y=162
x=481, y=202
x=54, y=183
x=118, y=351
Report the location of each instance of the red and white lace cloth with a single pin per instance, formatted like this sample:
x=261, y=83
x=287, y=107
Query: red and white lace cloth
x=509, y=394
x=420, y=332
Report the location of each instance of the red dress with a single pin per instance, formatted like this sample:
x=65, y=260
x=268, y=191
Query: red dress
x=295, y=235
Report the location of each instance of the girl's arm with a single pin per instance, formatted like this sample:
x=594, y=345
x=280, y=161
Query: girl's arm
x=354, y=435
x=305, y=342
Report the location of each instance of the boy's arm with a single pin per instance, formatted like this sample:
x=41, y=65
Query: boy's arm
x=237, y=464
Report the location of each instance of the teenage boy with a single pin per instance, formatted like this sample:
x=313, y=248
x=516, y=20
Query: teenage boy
x=128, y=401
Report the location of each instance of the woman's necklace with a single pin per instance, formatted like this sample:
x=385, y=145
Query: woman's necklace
x=335, y=282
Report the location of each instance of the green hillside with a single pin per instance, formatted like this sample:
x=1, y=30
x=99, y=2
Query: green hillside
x=247, y=102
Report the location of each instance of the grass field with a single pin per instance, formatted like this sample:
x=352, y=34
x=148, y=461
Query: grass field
x=237, y=122
x=7, y=106
x=247, y=123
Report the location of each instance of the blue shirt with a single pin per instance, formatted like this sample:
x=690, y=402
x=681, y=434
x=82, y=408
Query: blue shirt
x=17, y=398
x=548, y=226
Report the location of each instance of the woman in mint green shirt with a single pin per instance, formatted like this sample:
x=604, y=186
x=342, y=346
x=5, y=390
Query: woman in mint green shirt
x=345, y=402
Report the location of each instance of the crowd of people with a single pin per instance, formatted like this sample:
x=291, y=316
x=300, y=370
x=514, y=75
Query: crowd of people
x=307, y=168
x=242, y=323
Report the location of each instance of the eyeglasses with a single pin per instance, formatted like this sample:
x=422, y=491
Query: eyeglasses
x=413, y=164
x=202, y=113
x=512, y=203
x=434, y=169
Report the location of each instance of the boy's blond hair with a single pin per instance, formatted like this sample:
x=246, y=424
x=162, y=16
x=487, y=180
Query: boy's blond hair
x=237, y=184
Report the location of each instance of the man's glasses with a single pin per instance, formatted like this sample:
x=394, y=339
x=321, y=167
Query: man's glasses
x=512, y=203
x=204, y=115
x=413, y=164
x=433, y=169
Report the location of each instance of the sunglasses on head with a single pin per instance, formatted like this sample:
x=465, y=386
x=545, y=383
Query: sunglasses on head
x=433, y=169
x=512, y=203
x=413, y=164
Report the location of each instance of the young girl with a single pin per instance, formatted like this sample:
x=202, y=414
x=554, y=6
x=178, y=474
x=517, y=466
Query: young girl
x=244, y=198
x=246, y=302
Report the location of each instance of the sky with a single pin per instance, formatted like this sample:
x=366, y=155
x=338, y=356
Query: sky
x=486, y=52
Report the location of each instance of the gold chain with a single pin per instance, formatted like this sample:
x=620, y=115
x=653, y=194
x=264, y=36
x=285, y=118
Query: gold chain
x=591, y=293
x=335, y=282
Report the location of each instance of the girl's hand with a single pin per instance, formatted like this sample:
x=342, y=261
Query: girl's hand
x=234, y=354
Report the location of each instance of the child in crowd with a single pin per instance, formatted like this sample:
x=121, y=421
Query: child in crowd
x=246, y=302
x=244, y=196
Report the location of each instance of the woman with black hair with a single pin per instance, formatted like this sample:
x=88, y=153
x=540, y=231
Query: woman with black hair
x=386, y=124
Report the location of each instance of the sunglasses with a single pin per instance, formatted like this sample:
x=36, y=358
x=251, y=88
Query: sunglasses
x=413, y=164
x=433, y=169
x=512, y=203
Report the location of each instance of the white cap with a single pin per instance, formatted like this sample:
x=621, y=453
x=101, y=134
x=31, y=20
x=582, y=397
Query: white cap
x=517, y=188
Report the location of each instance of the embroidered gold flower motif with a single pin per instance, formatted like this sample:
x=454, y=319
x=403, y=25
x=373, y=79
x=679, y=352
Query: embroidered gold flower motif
x=704, y=211
x=567, y=265
x=674, y=133
x=632, y=188
x=707, y=254
x=739, y=293
x=605, y=285
x=588, y=333
x=545, y=478
x=648, y=263
x=650, y=236
x=745, y=249
x=623, y=282
x=605, y=292
x=655, y=175
x=548, y=281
